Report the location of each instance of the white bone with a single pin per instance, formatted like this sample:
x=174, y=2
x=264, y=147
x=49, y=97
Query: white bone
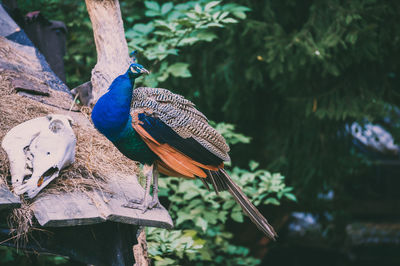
x=46, y=145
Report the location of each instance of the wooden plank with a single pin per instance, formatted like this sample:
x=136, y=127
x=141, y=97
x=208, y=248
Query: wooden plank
x=128, y=188
x=70, y=209
x=7, y=24
x=23, y=85
x=33, y=62
x=7, y=199
x=66, y=209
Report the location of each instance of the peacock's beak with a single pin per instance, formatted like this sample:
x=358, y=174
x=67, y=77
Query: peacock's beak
x=145, y=71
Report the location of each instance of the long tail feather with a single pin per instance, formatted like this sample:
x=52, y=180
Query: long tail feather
x=224, y=181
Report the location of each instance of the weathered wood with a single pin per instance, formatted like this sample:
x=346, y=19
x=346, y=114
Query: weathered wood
x=66, y=210
x=140, y=250
x=22, y=85
x=24, y=68
x=112, y=49
x=84, y=92
x=7, y=199
x=27, y=70
x=29, y=62
x=96, y=207
x=129, y=189
x=7, y=24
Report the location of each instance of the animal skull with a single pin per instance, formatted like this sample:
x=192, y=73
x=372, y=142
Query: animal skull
x=37, y=150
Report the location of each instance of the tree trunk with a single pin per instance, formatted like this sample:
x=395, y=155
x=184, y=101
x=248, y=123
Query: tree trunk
x=140, y=250
x=112, y=49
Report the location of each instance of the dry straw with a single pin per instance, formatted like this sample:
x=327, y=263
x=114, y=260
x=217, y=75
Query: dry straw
x=96, y=158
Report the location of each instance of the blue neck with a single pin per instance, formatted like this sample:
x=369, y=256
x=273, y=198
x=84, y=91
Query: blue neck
x=111, y=114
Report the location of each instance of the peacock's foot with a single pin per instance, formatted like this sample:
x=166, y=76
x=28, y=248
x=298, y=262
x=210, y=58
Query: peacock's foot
x=143, y=205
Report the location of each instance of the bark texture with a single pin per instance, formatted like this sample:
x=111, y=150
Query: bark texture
x=140, y=250
x=112, y=49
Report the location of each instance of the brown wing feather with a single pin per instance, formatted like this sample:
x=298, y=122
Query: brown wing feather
x=172, y=158
x=181, y=115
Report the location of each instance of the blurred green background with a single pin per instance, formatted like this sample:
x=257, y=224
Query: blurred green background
x=291, y=76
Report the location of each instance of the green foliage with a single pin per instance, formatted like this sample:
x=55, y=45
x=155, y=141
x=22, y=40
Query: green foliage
x=292, y=75
x=11, y=256
x=232, y=137
x=200, y=215
x=171, y=27
x=164, y=245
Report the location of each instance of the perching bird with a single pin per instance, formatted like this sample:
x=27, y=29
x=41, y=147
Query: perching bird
x=166, y=133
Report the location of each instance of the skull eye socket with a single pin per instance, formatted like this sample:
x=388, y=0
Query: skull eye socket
x=46, y=175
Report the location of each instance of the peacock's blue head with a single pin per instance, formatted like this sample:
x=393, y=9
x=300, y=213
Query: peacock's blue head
x=136, y=70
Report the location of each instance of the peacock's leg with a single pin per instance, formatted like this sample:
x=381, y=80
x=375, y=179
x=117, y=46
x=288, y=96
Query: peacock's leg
x=147, y=203
x=155, y=201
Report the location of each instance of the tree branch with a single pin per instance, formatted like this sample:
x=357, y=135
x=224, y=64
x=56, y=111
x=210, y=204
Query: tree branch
x=112, y=49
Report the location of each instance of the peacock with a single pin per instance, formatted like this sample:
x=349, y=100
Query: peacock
x=167, y=134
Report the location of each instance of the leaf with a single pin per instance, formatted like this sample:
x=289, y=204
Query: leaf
x=211, y=5
x=240, y=8
x=240, y=15
x=179, y=70
x=229, y=20
x=182, y=217
x=228, y=204
x=191, y=15
x=215, y=24
x=197, y=8
x=237, y=216
x=190, y=233
x=200, y=222
x=166, y=8
x=151, y=13
x=223, y=15
x=164, y=262
x=190, y=194
x=206, y=36
x=211, y=217
x=216, y=14
x=349, y=18
x=291, y=196
x=222, y=216
x=152, y=5
x=157, y=258
x=143, y=28
x=253, y=165
x=164, y=24
x=272, y=201
x=188, y=41
x=173, y=15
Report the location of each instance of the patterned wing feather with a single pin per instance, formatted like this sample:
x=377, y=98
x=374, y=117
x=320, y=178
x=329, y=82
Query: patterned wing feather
x=181, y=116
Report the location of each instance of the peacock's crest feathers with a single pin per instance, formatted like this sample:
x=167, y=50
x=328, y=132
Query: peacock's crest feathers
x=181, y=115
